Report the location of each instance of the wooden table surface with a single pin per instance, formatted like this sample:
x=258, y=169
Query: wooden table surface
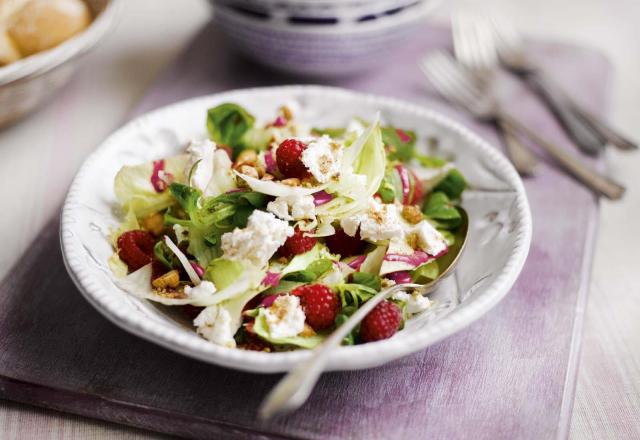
x=36, y=168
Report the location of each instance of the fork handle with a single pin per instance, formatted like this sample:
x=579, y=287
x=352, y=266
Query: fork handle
x=521, y=157
x=585, y=137
x=612, y=136
x=591, y=178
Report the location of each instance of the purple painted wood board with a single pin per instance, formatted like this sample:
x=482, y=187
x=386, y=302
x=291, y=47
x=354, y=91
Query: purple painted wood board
x=509, y=375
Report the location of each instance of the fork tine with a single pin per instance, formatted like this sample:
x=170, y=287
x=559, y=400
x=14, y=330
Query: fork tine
x=451, y=83
x=458, y=74
x=448, y=78
x=507, y=37
x=473, y=41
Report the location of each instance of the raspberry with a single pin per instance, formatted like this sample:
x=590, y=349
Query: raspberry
x=298, y=243
x=191, y=311
x=135, y=248
x=320, y=305
x=158, y=269
x=289, y=158
x=381, y=323
x=346, y=246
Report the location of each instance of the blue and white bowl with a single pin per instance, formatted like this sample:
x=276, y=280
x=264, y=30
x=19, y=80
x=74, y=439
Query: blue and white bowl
x=319, y=37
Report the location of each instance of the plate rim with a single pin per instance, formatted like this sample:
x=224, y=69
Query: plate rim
x=343, y=358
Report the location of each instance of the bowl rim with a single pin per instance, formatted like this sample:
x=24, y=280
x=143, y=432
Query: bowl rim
x=49, y=59
x=343, y=358
x=420, y=12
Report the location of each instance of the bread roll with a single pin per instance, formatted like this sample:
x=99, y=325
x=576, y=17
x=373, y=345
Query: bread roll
x=8, y=50
x=8, y=7
x=42, y=24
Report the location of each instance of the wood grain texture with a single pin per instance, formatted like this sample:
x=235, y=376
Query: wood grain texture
x=510, y=375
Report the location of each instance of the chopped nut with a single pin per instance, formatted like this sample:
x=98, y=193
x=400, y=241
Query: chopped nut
x=246, y=157
x=286, y=112
x=267, y=176
x=260, y=169
x=292, y=181
x=249, y=171
x=308, y=182
x=307, y=331
x=412, y=214
x=154, y=223
x=169, y=279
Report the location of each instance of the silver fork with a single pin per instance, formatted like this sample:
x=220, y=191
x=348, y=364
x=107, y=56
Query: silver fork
x=457, y=85
x=473, y=46
x=294, y=389
x=590, y=132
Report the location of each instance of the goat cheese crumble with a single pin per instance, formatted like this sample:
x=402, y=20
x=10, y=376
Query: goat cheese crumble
x=205, y=288
x=415, y=303
x=257, y=242
x=210, y=168
x=380, y=222
x=429, y=238
x=293, y=207
x=322, y=157
x=285, y=317
x=215, y=324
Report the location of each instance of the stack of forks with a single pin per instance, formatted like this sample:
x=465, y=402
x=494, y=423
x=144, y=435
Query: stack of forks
x=480, y=46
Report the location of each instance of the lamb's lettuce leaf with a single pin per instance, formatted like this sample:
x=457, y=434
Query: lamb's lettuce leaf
x=453, y=185
x=440, y=208
x=232, y=125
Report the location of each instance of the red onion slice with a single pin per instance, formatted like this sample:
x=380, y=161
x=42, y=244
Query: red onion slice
x=271, y=279
x=400, y=277
x=321, y=197
x=280, y=121
x=415, y=259
x=267, y=301
x=357, y=262
x=406, y=183
x=159, y=179
x=404, y=137
x=270, y=162
x=199, y=269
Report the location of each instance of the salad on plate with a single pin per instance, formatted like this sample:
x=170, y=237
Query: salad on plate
x=268, y=236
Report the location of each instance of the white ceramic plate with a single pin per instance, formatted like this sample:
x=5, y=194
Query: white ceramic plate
x=500, y=223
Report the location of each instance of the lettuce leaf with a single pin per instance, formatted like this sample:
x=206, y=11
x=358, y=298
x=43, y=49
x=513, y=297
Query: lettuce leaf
x=262, y=329
x=223, y=272
x=134, y=191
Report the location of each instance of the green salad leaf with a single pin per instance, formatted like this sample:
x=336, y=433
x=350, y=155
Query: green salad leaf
x=312, y=272
x=440, y=209
x=223, y=272
x=134, y=191
x=366, y=279
x=186, y=196
x=262, y=329
x=227, y=123
x=426, y=273
x=401, y=143
x=391, y=186
x=216, y=216
x=345, y=313
x=453, y=185
x=166, y=255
